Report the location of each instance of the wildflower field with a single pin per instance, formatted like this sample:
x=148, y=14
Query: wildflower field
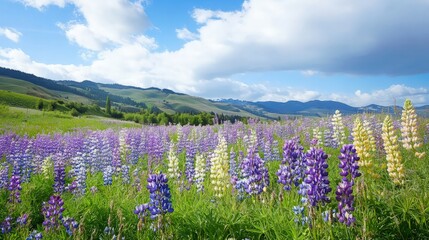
x=340, y=177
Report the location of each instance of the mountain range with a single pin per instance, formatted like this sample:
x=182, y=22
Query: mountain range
x=132, y=99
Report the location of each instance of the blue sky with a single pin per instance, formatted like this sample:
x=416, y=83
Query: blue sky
x=358, y=52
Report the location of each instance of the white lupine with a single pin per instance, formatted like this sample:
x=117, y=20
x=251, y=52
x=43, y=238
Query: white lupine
x=200, y=171
x=173, y=163
x=338, y=128
x=317, y=134
x=410, y=138
x=219, y=169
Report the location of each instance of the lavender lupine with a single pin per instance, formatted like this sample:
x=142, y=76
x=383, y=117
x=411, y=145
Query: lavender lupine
x=22, y=220
x=349, y=171
x=317, y=177
x=125, y=169
x=293, y=165
x=233, y=168
x=107, y=175
x=80, y=174
x=268, y=156
x=53, y=212
x=4, y=175
x=254, y=174
x=190, y=161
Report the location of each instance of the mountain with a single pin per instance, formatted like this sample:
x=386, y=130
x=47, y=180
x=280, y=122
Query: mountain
x=130, y=98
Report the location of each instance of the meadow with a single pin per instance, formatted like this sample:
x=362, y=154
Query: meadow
x=341, y=177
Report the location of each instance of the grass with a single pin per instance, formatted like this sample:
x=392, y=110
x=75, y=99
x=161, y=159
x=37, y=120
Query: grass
x=32, y=122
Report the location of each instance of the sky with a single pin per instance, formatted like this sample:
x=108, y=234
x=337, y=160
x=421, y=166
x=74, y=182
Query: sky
x=357, y=52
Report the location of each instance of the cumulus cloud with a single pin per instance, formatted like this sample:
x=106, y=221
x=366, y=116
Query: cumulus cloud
x=10, y=34
x=366, y=37
x=185, y=34
x=395, y=94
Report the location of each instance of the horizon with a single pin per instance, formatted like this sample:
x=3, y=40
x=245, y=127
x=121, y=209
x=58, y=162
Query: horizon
x=357, y=53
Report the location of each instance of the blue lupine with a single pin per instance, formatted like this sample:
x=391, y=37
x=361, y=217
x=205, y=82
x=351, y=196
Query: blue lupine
x=233, y=167
x=4, y=175
x=35, y=235
x=344, y=194
x=125, y=174
x=22, y=220
x=53, y=212
x=292, y=169
x=317, y=177
x=190, y=161
x=70, y=224
x=160, y=196
x=107, y=175
x=142, y=210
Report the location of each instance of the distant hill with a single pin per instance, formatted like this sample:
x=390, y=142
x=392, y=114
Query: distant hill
x=130, y=98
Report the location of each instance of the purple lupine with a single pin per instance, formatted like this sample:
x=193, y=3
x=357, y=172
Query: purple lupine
x=254, y=174
x=142, y=210
x=22, y=220
x=107, y=175
x=317, y=177
x=292, y=168
x=6, y=225
x=160, y=196
x=233, y=168
x=59, y=176
x=79, y=170
x=344, y=194
x=268, y=156
x=53, y=212
x=15, y=188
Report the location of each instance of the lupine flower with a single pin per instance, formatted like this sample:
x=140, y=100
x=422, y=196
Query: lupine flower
x=160, y=197
x=46, y=165
x=59, y=176
x=35, y=235
x=70, y=224
x=200, y=172
x=6, y=225
x=254, y=174
x=142, y=210
x=15, y=189
x=395, y=167
x=317, y=177
x=292, y=169
x=173, y=164
x=22, y=220
x=4, y=175
x=349, y=170
x=365, y=147
x=53, y=212
x=219, y=169
x=410, y=137
x=317, y=134
x=80, y=174
x=190, y=161
x=338, y=128
x=107, y=175
x=125, y=174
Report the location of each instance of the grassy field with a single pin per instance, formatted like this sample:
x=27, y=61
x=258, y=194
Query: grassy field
x=32, y=122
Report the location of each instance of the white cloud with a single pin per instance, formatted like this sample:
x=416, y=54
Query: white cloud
x=395, y=94
x=185, y=34
x=314, y=37
x=10, y=34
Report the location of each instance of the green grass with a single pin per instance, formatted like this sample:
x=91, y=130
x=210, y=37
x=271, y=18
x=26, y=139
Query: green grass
x=24, y=87
x=32, y=122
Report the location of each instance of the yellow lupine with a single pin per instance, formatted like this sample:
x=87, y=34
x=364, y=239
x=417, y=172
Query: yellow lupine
x=364, y=142
x=220, y=166
x=395, y=168
x=410, y=138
